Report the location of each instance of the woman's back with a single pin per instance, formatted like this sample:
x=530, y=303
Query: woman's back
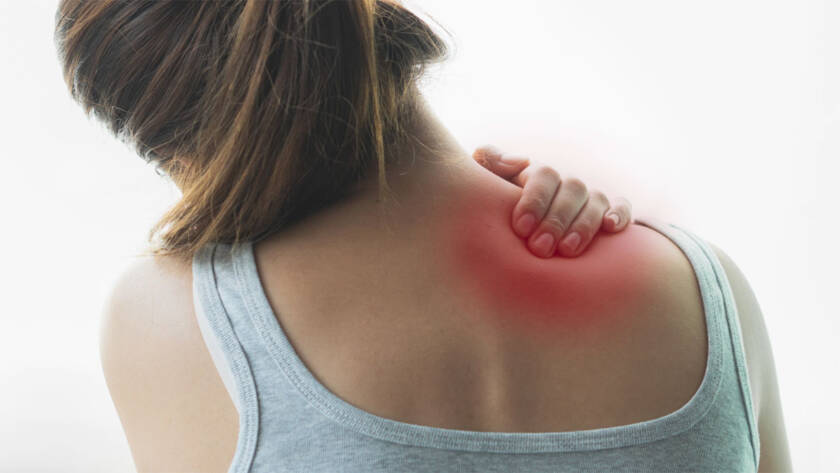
x=374, y=329
x=393, y=329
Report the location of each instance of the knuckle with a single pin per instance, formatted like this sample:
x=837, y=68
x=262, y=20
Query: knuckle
x=575, y=184
x=586, y=227
x=585, y=230
x=547, y=171
x=536, y=202
x=555, y=223
x=599, y=197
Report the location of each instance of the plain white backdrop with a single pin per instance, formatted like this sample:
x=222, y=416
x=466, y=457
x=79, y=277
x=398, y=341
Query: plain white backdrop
x=720, y=116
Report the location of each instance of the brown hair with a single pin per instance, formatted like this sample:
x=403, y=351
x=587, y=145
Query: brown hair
x=261, y=112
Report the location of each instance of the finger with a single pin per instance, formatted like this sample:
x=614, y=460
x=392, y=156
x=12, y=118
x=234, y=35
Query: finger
x=564, y=208
x=585, y=225
x=537, y=195
x=501, y=164
x=522, y=178
x=622, y=210
x=485, y=153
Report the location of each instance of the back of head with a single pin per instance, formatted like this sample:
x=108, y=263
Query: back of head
x=261, y=112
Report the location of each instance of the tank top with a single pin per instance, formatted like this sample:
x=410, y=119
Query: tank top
x=290, y=422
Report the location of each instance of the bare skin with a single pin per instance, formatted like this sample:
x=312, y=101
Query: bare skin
x=393, y=292
x=400, y=294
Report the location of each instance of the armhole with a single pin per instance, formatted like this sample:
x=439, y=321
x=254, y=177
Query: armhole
x=737, y=342
x=218, y=356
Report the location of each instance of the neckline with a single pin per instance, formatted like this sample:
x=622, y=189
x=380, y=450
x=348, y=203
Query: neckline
x=367, y=423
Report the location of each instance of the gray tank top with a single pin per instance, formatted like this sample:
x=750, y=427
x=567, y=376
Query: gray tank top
x=290, y=422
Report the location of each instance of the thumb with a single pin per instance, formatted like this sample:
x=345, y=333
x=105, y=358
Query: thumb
x=500, y=164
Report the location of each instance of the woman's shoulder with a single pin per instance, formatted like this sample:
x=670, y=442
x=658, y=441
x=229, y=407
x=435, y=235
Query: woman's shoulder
x=159, y=372
x=617, y=273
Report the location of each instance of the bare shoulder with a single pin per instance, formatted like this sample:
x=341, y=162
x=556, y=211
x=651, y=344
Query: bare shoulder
x=775, y=455
x=173, y=406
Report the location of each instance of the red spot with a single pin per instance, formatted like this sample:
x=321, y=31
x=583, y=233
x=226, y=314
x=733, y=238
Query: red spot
x=545, y=294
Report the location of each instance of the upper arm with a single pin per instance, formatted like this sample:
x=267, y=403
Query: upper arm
x=774, y=455
x=174, y=409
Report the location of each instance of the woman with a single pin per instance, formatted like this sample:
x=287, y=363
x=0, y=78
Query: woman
x=340, y=288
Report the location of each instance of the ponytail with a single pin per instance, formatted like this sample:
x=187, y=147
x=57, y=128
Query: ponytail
x=261, y=112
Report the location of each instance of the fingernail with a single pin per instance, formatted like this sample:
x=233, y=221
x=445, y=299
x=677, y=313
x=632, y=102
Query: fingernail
x=525, y=224
x=571, y=241
x=543, y=243
x=614, y=218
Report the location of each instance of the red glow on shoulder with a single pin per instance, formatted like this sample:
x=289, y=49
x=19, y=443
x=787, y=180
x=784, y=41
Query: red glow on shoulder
x=556, y=293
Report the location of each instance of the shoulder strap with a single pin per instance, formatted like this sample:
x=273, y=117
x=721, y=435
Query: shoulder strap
x=735, y=338
x=731, y=321
x=225, y=348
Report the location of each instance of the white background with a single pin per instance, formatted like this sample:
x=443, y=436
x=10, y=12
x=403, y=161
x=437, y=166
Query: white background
x=721, y=116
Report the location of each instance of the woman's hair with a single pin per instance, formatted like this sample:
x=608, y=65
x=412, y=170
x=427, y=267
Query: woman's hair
x=261, y=112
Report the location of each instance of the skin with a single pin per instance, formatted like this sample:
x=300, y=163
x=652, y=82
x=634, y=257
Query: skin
x=561, y=208
x=636, y=358
x=505, y=275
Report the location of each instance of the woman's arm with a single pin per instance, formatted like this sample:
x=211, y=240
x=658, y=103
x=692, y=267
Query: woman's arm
x=761, y=367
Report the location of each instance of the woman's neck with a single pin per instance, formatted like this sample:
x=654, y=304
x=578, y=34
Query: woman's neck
x=433, y=174
x=431, y=166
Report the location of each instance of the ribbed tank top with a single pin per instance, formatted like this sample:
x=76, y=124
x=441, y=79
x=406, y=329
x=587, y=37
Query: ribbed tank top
x=290, y=422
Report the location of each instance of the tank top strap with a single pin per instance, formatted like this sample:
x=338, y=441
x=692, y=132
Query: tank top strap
x=730, y=318
x=215, y=300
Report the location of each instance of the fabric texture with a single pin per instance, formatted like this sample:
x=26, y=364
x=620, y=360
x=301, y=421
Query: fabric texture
x=289, y=422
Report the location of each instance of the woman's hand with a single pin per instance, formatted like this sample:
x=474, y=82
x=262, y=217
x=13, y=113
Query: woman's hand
x=560, y=221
